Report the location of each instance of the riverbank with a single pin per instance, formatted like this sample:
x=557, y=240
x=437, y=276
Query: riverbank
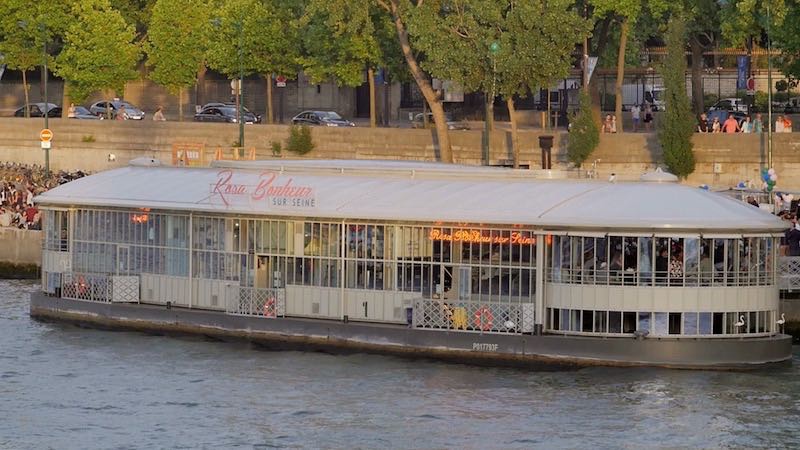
x=20, y=253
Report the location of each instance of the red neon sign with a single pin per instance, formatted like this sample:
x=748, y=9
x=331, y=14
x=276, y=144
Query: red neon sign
x=475, y=236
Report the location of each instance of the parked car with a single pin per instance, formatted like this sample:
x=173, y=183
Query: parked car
x=730, y=104
x=82, y=113
x=417, y=122
x=36, y=110
x=326, y=118
x=131, y=112
x=232, y=105
x=224, y=114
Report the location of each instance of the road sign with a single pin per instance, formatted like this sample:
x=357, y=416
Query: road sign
x=46, y=135
x=751, y=86
x=280, y=81
x=45, y=145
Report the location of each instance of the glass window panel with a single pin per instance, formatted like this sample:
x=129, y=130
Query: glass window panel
x=690, y=323
x=660, y=323
x=614, y=322
x=644, y=321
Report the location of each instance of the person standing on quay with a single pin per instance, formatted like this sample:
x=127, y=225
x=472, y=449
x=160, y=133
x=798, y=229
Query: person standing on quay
x=636, y=113
x=648, y=116
x=730, y=125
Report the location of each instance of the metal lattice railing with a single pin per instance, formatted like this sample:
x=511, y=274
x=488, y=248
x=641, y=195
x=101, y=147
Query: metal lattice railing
x=94, y=287
x=258, y=302
x=789, y=273
x=474, y=316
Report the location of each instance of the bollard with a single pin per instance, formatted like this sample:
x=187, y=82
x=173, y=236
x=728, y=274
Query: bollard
x=546, y=144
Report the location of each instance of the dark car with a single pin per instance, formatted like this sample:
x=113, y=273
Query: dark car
x=79, y=112
x=232, y=105
x=224, y=113
x=417, y=122
x=131, y=111
x=325, y=118
x=36, y=110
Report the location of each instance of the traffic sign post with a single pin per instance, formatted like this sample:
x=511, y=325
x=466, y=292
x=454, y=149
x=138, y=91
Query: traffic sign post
x=46, y=136
x=280, y=81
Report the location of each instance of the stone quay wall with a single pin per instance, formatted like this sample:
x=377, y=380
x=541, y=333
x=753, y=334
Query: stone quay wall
x=722, y=160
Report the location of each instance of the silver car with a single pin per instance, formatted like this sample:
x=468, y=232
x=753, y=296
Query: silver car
x=131, y=111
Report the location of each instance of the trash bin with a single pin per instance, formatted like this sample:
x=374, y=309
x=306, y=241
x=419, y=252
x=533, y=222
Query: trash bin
x=546, y=144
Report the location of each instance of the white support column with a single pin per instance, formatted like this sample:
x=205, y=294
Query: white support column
x=538, y=322
x=342, y=254
x=191, y=257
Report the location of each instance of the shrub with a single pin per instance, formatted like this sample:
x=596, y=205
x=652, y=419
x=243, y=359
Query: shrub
x=300, y=140
x=276, y=148
x=584, y=134
x=88, y=138
x=675, y=134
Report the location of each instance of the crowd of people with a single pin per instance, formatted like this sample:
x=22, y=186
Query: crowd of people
x=19, y=184
x=783, y=124
x=641, y=115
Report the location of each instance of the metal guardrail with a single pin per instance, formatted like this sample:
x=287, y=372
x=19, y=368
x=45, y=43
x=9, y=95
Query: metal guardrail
x=268, y=303
x=789, y=273
x=473, y=316
x=94, y=287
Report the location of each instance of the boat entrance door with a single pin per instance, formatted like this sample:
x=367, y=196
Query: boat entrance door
x=123, y=260
x=456, y=282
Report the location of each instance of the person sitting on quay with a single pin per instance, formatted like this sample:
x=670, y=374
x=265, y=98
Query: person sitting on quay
x=702, y=124
x=158, y=116
x=731, y=125
x=716, y=127
x=747, y=125
x=758, y=124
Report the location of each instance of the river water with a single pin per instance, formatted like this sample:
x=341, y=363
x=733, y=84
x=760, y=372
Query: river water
x=65, y=387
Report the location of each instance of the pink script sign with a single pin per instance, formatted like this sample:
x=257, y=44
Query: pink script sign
x=267, y=188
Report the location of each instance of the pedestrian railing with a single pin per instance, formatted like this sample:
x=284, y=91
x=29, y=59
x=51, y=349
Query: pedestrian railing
x=268, y=303
x=487, y=317
x=789, y=273
x=94, y=287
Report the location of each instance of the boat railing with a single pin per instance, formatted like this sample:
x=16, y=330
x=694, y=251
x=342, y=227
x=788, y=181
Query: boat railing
x=269, y=303
x=485, y=317
x=94, y=287
x=789, y=273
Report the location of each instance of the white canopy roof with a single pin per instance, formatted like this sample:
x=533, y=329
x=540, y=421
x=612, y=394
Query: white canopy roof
x=413, y=191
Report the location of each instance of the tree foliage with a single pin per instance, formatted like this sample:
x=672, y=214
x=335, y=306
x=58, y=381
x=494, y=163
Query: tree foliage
x=99, y=52
x=339, y=41
x=264, y=35
x=675, y=133
x=177, y=42
x=584, y=134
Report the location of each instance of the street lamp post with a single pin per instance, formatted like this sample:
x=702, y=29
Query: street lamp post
x=769, y=93
x=46, y=113
x=494, y=47
x=239, y=98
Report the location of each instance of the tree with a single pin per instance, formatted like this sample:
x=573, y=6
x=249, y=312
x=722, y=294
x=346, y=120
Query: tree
x=99, y=53
x=677, y=128
x=340, y=42
x=787, y=38
x=256, y=37
x=584, y=135
x=177, y=42
x=535, y=50
x=25, y=28
x=399, y=11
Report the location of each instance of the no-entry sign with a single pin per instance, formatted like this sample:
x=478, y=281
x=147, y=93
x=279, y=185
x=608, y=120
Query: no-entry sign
x=46, y=135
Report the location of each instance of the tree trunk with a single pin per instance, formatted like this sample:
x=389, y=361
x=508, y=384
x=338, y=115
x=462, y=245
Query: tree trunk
x=25, y=88
x=270, y=112
x=697, y=76
x=623, y=41
x=65, y=101
x=445, y=151
x=373, y=119
x=180, y=105
x=200, y=95
x=109, y=96
x=512, y=115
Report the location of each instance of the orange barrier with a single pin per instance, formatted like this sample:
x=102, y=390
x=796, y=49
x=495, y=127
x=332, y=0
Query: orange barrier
x=188, y=154
x=235, y=153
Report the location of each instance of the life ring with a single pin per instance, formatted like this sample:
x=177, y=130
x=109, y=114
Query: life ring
x=269, y=307
x=80, y=286
x=484, y=318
